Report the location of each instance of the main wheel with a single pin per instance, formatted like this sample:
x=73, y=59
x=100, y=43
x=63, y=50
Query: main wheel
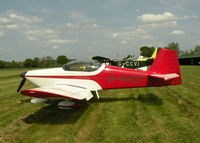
x=68, y=104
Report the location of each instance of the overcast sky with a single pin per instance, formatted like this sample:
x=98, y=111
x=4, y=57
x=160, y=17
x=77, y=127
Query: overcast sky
x=85, y=28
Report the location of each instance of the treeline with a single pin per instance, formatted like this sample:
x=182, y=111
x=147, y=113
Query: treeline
x=195, y=51
x=148, y=51
x=60, y=60
x=36, y=62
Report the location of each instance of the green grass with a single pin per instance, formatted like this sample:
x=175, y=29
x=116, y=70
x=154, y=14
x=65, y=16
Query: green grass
x=137, y=115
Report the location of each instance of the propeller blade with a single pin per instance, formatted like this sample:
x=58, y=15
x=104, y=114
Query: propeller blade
x=23, y=81
x=21, y=84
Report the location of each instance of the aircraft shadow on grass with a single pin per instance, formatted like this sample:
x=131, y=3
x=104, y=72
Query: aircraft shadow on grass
x=52, y=115
x=150, y=99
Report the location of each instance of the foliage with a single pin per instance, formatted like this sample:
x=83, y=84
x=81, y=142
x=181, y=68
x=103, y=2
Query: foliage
x=2, y=64
x=49, y=61
x=173, y=46
x=146, y=51
x=28, y=63
x=195, y=51
x=61, y=60
x=36, y=62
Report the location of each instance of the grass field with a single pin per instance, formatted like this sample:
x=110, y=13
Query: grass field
x=140, y=115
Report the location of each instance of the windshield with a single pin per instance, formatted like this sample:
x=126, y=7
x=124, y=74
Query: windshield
x=81, y=66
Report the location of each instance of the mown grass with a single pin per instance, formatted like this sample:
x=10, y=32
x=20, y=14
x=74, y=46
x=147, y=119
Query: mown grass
x=137, y=115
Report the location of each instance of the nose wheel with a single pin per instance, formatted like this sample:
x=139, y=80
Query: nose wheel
x=68, y=104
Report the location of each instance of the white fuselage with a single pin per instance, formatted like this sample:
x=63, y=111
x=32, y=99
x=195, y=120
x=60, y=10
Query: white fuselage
x=44, y=78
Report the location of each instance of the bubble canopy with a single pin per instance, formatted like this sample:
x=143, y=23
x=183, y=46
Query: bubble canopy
x=86, y=66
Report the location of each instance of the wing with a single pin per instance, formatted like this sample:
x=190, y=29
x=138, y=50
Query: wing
x=166, y=77
x=59, y=91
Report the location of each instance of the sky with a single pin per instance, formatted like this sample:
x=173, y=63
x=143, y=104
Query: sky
x=81, y=29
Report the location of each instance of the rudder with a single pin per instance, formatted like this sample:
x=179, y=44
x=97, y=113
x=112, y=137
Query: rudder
x=166, y=62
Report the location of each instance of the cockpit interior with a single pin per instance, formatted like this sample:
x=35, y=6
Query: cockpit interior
x=81, y=66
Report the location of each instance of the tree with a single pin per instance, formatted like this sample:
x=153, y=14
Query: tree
x=61, y=60
x=15, y=64
x=173, y=46
x=183, y=52
x=36, y=62
x=191, y=52
x=2, y=64
x=51, y=62
x=146, y=51
x=28, y=63
x=47, y=62
x=197, y=50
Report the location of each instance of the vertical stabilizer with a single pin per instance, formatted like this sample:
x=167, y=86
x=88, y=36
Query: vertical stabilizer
x=166, y=62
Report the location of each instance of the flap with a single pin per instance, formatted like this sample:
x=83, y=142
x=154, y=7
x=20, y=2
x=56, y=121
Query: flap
x=59, y=91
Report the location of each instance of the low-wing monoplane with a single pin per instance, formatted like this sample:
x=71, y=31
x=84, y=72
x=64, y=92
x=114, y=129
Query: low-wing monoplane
x=77, y=80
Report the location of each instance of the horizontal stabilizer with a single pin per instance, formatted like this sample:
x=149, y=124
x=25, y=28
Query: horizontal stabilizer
x=166, y=77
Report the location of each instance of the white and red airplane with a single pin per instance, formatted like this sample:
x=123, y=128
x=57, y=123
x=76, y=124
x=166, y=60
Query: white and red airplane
x=76, y=80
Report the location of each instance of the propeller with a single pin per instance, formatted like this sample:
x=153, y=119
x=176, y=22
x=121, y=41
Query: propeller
x=22, y=82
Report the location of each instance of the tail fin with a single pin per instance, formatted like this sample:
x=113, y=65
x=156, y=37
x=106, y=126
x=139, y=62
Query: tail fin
x=166, y=62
